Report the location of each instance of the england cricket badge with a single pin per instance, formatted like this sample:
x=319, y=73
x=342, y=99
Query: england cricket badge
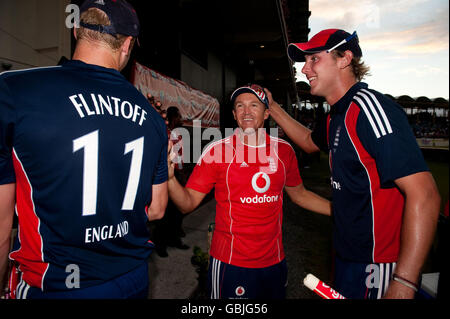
x=272, y=165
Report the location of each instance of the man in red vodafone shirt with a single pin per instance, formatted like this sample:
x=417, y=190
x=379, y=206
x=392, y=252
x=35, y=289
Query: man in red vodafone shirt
x=249, y=171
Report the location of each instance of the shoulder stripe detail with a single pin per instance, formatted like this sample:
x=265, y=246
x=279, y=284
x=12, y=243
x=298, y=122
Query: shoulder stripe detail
x=374, y=112
x=380, y=109
x=369, y=117
x=210, y=146
x=279, y=140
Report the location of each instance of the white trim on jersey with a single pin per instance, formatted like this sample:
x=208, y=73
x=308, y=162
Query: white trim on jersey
x=229, y=202
x=369, y=117
x=381, y=110
x=279, y=215
x=370, y=184
x=35, y=214
x=374, y=112
x=211, y=145
x=280, y=140
x=383, y=125
x=31, y=69
x=281, y=195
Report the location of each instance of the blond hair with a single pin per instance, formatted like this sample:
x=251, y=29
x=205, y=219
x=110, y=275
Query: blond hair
x=359, y=68
x=98, y=17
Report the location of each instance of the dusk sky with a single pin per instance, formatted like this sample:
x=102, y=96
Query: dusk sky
x=405, y=42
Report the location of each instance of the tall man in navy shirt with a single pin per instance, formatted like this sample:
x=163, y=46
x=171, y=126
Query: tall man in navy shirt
x=83, y=156
x=385, y=201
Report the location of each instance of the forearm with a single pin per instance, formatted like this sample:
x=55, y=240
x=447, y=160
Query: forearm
x=7, y=201
x=4, y=251
x=420, y=215
x=298, y=133
x=315, y=203
x=309, y=200
x=158, y=205
x=417, y=234
x=180, y=196
x=156, y=212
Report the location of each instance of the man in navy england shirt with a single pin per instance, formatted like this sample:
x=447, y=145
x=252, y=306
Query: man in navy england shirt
x=385, y=201
x=83, y=157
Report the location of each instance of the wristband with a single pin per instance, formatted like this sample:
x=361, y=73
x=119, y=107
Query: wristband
x=405, y=282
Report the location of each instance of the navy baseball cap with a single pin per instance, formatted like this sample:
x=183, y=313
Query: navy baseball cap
x=325, y=40
x=251, y=88
x=122, y=15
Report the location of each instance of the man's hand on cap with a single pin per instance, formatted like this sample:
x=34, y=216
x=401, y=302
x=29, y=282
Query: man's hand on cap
x=269, y=97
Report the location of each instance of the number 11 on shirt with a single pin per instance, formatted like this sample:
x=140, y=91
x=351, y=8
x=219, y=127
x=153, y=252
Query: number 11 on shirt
x=89, y=143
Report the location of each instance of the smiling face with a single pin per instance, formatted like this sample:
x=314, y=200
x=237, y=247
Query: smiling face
x=329, y=75
x=249, y=112
x=322, y=71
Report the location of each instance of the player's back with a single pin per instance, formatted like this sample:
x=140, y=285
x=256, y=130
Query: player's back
x=87, y=148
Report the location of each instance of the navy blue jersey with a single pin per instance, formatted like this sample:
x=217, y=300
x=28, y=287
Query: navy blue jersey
x=370, y=145
x=84, y=148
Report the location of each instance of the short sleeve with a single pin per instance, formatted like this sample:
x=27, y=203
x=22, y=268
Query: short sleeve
x=7, y=120
x=385, y=133
x=204, y=175
x=319, y=134
x=293, y=177
x=161, y=173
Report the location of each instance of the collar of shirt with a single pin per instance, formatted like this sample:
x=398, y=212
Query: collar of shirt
x=342, y=105
x=91, y=67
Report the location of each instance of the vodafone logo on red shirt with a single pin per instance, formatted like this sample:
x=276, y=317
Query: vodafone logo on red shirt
x=260, y=183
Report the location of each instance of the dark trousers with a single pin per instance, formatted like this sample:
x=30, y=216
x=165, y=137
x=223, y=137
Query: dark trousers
x=226, y=281
x=355, y=280
x=132, y=285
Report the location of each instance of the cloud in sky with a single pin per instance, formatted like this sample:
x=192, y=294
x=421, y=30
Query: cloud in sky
x=380, y=28
x=427, y=37
x=348, y=14
x=405, y=40
x=419, y=40
x=342, y=13
x=426, y=70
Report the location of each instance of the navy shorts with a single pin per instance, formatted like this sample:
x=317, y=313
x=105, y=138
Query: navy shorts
x=362, y=280
x=226, y=281
x=132, y=285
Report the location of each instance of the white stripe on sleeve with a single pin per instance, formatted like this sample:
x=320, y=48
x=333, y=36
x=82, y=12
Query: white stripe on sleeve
x=374, y=112
x=381, y=110
x=369, y=117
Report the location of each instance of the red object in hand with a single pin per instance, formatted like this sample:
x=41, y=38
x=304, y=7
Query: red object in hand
x=320, y=288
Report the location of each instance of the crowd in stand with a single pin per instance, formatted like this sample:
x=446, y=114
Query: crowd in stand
x=424, y=125
x=428, y=126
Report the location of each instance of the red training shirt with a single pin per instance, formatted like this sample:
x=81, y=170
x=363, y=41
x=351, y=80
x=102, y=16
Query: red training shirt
x=249, y=184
